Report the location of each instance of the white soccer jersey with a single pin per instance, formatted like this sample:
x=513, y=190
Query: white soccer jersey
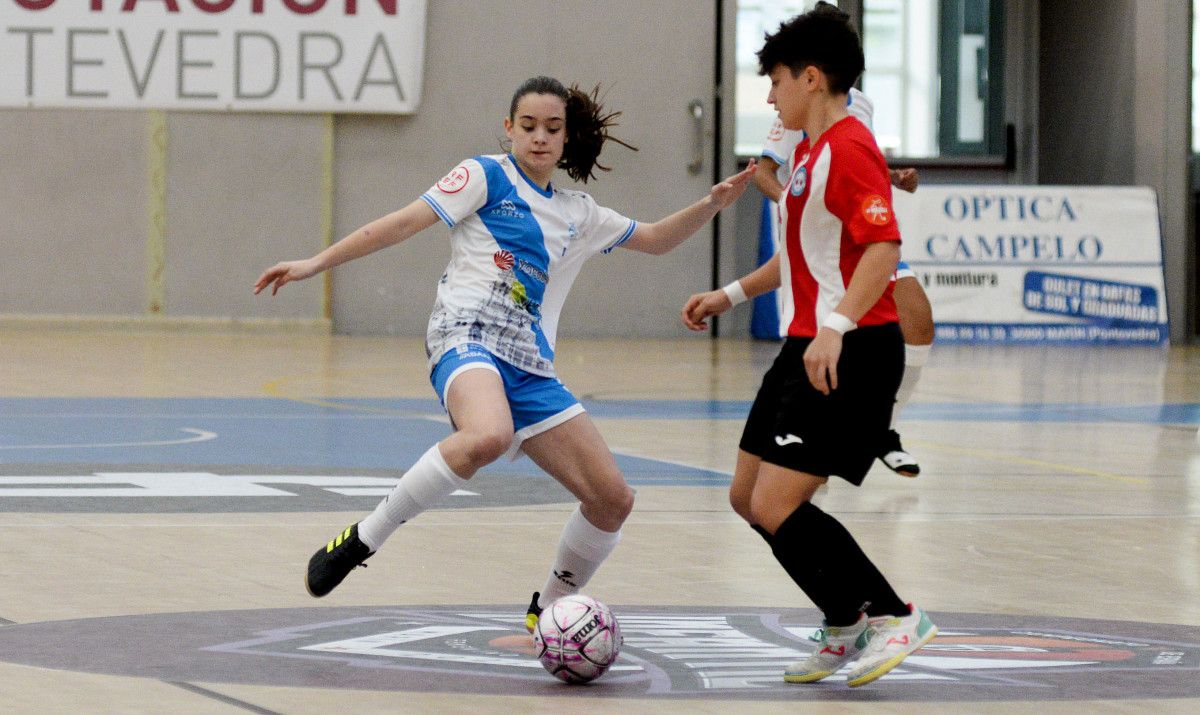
x=516, y=248
x=781, y=143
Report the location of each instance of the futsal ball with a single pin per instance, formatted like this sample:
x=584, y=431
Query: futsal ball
x=577, y=638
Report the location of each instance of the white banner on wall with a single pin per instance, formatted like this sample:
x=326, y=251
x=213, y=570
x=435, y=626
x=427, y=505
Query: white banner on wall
x=344, y=56
x=1031, y=264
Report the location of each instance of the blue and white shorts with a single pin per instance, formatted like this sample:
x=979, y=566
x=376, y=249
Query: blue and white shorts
x=537, y=403
x=903, y=271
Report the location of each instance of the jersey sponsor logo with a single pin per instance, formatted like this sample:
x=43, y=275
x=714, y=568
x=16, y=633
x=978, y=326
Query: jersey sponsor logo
x=787, y=439
x=518, y=294
x=472, y=350
x=508, y=209
x=453, y=182
x=776, y=132
x=800, y=180
x=876, y=211
x=533, y=271
x=503, y=259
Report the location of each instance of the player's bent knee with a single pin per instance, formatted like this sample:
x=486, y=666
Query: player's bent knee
x=607, y=510
x=740, y=501
x=617, y=503
x=487, y=447
x=919, y=332
x=765, y=517
x=914, y=311
x=768, y=511
x=622, y=503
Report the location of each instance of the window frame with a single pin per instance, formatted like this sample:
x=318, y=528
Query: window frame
x=997, y=149
x=994, y=141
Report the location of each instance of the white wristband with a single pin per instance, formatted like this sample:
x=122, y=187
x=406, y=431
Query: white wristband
x=734, y=292
x=838, y=322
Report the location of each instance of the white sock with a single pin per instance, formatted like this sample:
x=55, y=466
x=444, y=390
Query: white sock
x=425, y=484
x=915, y=357
x=581, y=550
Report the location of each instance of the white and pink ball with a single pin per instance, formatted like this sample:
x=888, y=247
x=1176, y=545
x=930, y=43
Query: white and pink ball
x=577, y=638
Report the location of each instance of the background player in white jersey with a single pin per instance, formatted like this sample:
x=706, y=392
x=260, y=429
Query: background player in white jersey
x=517, y=242
x=912, y=304
x=829, y=394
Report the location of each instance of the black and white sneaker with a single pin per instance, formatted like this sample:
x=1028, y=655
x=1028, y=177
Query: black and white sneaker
x=895, y=458
x=332, y=563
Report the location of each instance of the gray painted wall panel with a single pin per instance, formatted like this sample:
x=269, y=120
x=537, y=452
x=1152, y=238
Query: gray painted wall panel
x=651, y=79
x=1092, y=92
x=1162, y=86
x=1115, y=110
x=1088, y=58
x=383, y=163
x=243, y=191
x=73, y=197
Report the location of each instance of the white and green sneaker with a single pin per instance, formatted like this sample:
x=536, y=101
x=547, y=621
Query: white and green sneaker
x=891, y=640
x=835, y=648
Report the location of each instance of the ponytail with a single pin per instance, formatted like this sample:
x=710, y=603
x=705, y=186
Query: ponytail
x=587, y=125
x=587, y=130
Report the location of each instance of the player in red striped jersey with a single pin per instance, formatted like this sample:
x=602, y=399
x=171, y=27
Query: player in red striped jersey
x=825, y=404
x=912, y=304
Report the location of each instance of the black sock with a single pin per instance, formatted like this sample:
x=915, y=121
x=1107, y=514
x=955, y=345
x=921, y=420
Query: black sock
x=829, y=566
x=763, y=533
x=787, y=545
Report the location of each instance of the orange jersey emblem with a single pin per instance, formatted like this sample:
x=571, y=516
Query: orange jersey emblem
x=876, y=211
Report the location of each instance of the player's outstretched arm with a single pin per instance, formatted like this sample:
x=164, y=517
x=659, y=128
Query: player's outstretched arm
x=663, y=235
x=380, y=233
x=700, y=306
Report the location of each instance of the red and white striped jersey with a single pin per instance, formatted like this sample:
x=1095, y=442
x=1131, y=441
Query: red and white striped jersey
x=838, y=201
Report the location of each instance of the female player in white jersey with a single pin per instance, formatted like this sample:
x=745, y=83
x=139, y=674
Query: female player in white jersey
x=912, y=305
x=828, y=396
x=517, y=242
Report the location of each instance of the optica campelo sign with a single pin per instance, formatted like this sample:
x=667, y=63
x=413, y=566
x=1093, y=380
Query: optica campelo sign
x=1036, y=264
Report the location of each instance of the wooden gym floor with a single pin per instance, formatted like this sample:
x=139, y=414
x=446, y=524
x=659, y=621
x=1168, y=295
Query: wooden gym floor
x=161, y=493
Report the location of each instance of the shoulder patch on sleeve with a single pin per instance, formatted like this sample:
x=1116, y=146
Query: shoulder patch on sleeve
x=876, y=210
x=454, y=182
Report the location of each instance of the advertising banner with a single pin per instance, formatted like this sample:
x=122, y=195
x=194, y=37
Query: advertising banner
x=343, y=56
x=1033, y=264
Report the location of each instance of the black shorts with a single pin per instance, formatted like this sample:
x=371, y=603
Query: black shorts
x=794, y=426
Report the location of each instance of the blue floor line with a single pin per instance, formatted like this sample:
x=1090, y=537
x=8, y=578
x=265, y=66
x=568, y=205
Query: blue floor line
x=265, y=434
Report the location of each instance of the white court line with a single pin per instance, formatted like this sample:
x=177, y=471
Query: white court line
x=525, y=524
x=200, y=436
x=375, y=491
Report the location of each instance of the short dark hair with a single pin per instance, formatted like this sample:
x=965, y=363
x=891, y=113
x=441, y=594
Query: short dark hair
x=587, y=125
x=822, y=37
